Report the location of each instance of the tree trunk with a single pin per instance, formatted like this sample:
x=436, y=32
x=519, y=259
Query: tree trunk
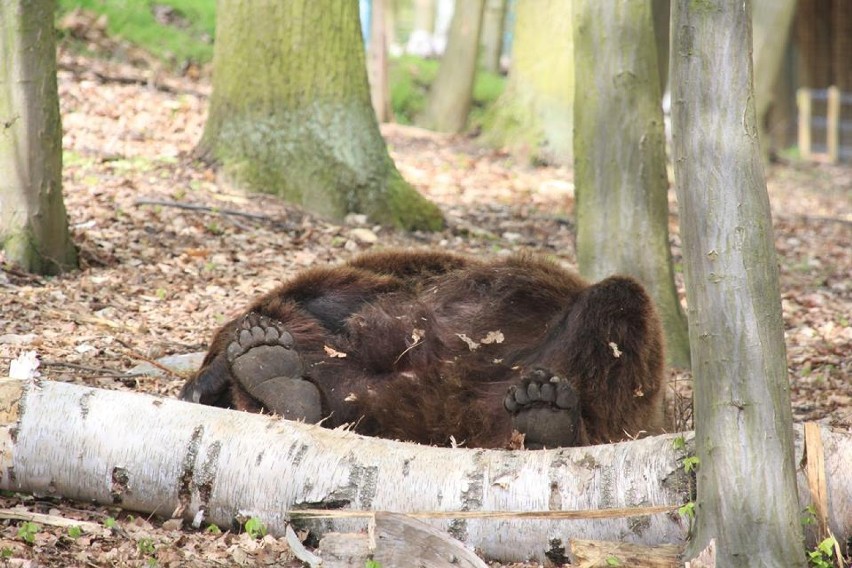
x=451, y=93
x=291, y=114
x=377, y=65
x=33, y=225
x=620, y=158
x=534, y=117
x=747, y=476
x=149, y=454
x=491, y=44
x=661, y=13
x=771, y=20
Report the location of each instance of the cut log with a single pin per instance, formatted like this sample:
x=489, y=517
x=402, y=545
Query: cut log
x=596, y=553
x=210, y=465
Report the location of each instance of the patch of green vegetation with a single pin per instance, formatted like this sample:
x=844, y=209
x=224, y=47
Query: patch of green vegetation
x=176, y=31
x=255, y=528
x=27, y=531
x=823, y=555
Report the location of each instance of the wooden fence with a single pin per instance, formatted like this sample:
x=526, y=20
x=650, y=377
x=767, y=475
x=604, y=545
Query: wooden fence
x=831, y=123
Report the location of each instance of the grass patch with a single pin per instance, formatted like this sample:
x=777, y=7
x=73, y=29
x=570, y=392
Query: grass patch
x=175, y=31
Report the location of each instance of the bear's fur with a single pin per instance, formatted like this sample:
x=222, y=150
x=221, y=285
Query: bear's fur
x=431, y=347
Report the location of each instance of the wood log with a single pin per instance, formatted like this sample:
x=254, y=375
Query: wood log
x=210, y=465
x=604, y=554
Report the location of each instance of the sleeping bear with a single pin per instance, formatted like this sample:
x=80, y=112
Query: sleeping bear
x=437, y=348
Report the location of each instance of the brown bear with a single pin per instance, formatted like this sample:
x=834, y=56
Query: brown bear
x=435, y=348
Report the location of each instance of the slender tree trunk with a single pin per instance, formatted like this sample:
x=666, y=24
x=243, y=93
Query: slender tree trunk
x=747, y=475
x=771, y=23
x=377, y=64
x=291, y=114
x=534, y=117
x=620, y=157
x=33, y=225
x=661, y=10
x=491, y=44
x=451, y=93
x=150, y=454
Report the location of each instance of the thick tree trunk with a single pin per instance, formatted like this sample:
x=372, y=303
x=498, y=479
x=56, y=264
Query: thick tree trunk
x=291, y=114
x=747, y=477
x=620, y=157
x=33, y=225
x=534, y=117
x=153, y=455
x=451, y=93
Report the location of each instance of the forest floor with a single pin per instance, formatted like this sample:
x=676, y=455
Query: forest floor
x=157, y=278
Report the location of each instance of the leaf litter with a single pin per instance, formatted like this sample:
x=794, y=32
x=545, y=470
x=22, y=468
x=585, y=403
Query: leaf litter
x=167, y=248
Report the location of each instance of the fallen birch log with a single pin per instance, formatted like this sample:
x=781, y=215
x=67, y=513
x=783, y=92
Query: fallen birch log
x=210, y=465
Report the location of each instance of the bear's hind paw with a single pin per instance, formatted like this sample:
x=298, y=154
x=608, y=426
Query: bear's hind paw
x=546, y=409
x=264, y=360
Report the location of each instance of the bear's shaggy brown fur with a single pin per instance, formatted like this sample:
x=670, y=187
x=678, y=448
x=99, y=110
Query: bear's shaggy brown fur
x=429, y=346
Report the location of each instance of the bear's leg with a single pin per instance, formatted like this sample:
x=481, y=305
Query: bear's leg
x=546, y=409
x=264, y=361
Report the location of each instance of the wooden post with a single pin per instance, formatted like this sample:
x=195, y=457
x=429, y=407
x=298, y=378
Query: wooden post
x=803, y=101
x=832, y=125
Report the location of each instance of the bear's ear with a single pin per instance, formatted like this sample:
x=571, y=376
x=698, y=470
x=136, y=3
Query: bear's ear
x=211, y=385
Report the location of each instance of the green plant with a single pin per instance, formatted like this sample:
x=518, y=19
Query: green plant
x=110, y=523
x=821, y=556
x=372, y=564
x=213, y=529
x=27, y=531
x=687, y=510
x=6, y=552
x=690, y=464
x=612, y=561
x=75, y=531
x=146, y=546
x=809, y=516
x=255, y=528
x=679, y=443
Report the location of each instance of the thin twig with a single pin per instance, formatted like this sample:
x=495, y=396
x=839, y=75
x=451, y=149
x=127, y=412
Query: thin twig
x=205, y=209
x=96, y=370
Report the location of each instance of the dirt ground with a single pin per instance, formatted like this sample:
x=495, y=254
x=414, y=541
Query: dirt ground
x=157, y=277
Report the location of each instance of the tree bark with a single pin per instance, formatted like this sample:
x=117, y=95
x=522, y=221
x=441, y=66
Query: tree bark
x=771, y=23
x=149, y=454
x=33, y=225
x=491, y=40
x=747, y=477
x=450, y=95
x=290, y=112
x=620, y=158
x=377, y=64
x=534, y=117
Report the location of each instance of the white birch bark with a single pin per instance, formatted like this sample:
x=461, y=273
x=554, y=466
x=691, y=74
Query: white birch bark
x=156, y=455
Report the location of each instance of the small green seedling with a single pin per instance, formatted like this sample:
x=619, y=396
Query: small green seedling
x=110, y=523
x=146, y=546
x=75, y=532
x=213, y=529
x=821, y=556
x=612, y=561
x=372, y=564
x=27, y=531
x=255, y=528
x=679, y=443
x=690, y=464
x=687, y=510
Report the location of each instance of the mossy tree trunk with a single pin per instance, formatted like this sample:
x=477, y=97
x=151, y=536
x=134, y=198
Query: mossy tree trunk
x=451, y=94
x=743, y=421
x=291, y=114
x=620, y=157
x=33, y=224
x=534, y=117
